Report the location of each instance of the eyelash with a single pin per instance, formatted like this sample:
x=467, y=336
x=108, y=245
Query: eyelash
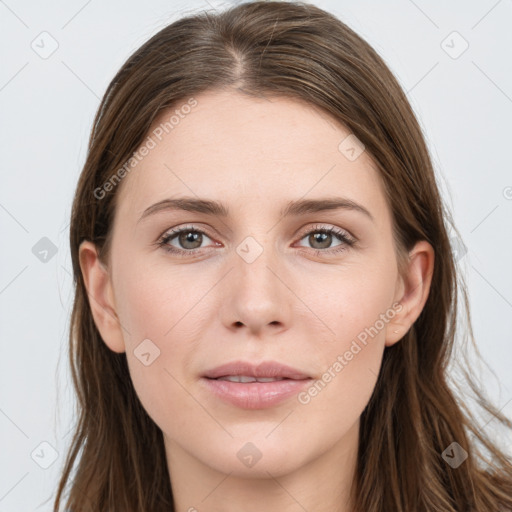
x=347, y=241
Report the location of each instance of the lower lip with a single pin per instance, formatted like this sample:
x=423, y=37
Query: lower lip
x=255, y=395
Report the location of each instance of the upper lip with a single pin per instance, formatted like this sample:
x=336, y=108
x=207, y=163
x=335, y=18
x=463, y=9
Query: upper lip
x=265, y=369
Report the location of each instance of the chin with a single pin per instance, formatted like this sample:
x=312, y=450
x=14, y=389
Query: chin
x=257, y=458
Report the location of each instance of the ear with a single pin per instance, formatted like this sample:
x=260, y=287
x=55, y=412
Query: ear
x=412, y=291
x=101, y=297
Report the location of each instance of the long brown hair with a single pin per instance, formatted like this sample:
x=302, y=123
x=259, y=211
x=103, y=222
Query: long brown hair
x=116, y=460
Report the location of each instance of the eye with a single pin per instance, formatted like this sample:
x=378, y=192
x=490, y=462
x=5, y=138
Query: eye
x=321, y=238
x=190, y=240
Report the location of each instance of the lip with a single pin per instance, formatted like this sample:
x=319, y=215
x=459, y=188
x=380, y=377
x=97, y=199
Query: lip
x=255, y=395
x=264, y=369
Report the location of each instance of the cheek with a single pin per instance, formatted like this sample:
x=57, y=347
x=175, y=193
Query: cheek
x=155, y=301
x=358, y=310
x=356, y=302
x=163, y=393
x=160, y=321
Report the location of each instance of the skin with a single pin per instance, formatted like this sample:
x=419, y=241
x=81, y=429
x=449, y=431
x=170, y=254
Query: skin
x=294, y=304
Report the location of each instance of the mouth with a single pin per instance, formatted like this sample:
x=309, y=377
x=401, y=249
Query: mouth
x=247, y=378
x=250, y=386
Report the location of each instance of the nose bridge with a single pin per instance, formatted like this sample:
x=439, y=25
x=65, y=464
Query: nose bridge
x=256, y=294
x=255, y=256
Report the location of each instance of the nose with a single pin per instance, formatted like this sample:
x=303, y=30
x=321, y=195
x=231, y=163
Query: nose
x=256, y=293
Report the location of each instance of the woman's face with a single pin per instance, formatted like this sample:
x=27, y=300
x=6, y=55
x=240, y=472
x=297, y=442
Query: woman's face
x=261, y=284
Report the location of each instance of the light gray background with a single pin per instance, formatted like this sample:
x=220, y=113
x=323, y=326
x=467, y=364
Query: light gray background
x=464, y=105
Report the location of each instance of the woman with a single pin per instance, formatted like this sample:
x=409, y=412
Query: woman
x=265, y=290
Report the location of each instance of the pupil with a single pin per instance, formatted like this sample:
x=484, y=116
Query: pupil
x=190, y=237
x=322, y=238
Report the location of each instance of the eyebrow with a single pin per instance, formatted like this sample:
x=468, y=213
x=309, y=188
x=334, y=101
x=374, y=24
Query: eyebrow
x=293, y=208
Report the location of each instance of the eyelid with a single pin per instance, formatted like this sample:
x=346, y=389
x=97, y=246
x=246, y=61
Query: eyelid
x=190, y=227
x=327, y=227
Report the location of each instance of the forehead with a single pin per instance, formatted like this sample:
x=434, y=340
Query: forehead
x=230, y=145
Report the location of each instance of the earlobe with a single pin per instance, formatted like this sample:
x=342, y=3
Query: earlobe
x=413, y=292
x=101, y=298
